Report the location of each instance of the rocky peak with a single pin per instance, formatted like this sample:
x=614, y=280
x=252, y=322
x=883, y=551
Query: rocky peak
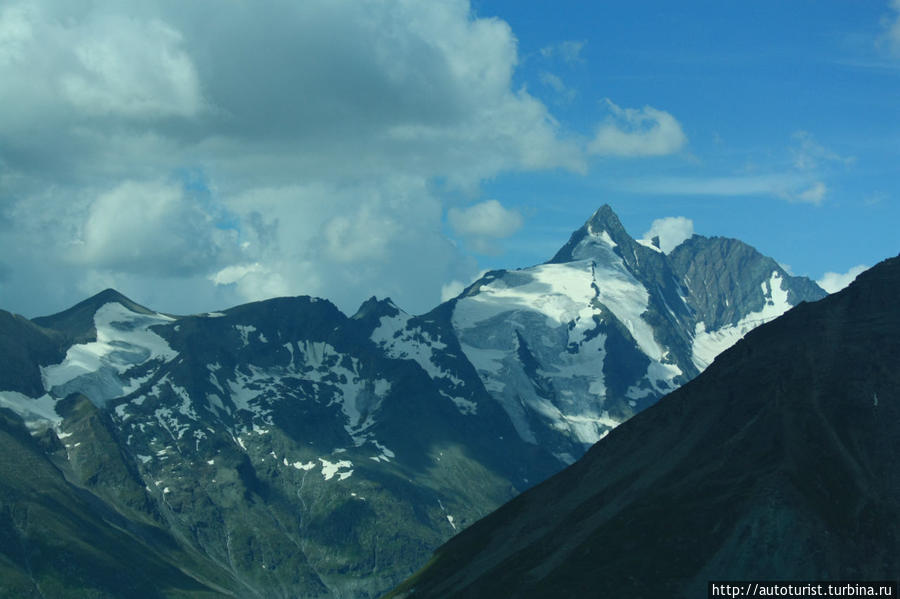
x=726, y=279
x=376, y=308
x=599, y=235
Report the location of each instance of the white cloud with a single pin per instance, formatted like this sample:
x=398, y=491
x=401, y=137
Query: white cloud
x=280, y=92
x=320, y=130
x=451, y=290
x=67, y=69
x=253, y=282
x=486, y=219
x=150, y=227
x=832, y=282
x=15, y=32
x=363, y=236
x=345, y=242
x=569, y=51
x=132, y=68
x=717, y=186
x=632, y=132
x=671, y=231
x=787, y=186
x=814, y=194
x=234, y=273
x=455, y=287
x=808, y=154
x=802, y=182
x=555, y=83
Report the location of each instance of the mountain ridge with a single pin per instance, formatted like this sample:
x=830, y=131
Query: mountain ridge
x=776, y=463
x=292, y=449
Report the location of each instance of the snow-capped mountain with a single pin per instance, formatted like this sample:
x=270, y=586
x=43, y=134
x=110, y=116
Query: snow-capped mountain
x=287, y=449
x=778, y=462
x=578, y=345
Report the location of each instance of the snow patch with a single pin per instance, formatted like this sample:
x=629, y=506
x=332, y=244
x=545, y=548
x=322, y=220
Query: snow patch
x=245, y=331
x=386, y=454
x=329, y=469
x=649, y=244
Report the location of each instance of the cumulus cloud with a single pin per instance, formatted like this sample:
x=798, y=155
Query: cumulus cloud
x=361, y=236
x=74, y=71
x=486, y=219
x=150, y=227
x=132, y=68
x=346, y=242
x=832, y=282
x=631, y=132
x=483, y=223
x=671, y=231
x=319, y=128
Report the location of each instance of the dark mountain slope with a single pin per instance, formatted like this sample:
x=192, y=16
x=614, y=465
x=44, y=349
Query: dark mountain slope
x=24, y=347
x=778, y=462
x=59, y=541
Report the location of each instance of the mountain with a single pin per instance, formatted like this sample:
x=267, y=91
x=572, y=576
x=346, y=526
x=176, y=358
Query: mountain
x=578, y=345
x=283, y=448
x=779, y=462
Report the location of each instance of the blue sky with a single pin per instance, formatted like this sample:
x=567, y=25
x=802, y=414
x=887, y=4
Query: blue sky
x=200, y=155
x=807, y=92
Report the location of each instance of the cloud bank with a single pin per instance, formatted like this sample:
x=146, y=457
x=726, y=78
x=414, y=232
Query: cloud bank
x=196, y=155
x=203, y=152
